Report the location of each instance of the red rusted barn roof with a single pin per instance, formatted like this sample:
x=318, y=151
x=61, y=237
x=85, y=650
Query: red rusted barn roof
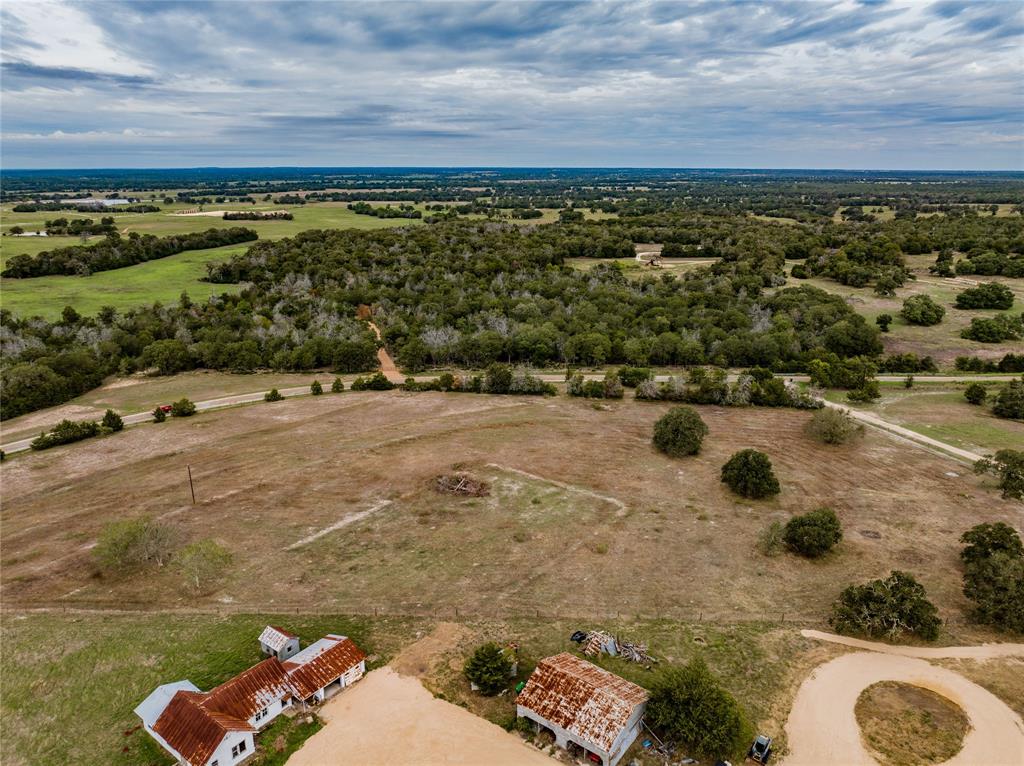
x=192, y=730
x=311, y=675
x=250, y=691
x=582, y=698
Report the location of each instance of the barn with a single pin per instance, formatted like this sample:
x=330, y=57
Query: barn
x=585, y=707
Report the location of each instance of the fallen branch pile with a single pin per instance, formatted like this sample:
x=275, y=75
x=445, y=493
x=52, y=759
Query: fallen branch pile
x=461, y=484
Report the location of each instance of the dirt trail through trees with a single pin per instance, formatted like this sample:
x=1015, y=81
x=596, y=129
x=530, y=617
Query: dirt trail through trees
x=387, y=364
x=822, y=727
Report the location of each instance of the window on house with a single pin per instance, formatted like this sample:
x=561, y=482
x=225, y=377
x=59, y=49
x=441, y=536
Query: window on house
x=234, y=751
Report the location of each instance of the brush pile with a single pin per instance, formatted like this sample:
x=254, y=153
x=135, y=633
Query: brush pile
x=461, y=484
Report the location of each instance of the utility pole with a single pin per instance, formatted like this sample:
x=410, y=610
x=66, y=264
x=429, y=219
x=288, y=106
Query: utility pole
x=190, y=485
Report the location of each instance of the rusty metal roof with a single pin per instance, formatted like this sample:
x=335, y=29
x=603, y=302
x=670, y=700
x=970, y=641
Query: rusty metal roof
x=276, y=637
x=251, y=691
x=192, y=730
x=582, y=698
x=318, y=665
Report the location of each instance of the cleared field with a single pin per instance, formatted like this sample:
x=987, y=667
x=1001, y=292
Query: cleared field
x=335, y=496
x=941, y=412
x=941, y=341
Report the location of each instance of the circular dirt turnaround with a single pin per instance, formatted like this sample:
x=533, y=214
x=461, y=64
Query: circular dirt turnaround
x=822, y=726
x=905, y=725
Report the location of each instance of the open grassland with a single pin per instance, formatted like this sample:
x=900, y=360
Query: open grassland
x=334, y=495
x=164, y=280
x=71, y=682
x=940, y=411
x=941, y=341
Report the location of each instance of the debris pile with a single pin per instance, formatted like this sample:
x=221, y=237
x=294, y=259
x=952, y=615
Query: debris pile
x=461, y=484
x=595, y=642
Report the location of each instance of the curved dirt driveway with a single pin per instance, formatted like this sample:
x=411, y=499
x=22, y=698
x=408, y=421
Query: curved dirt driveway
x=822, y=727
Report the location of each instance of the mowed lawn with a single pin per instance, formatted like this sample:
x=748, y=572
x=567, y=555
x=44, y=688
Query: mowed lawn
x=71, y=682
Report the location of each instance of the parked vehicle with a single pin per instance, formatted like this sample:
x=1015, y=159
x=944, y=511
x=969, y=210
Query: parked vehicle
x=761, y=750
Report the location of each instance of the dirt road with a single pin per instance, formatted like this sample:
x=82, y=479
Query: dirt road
x=822, y=727
x=387, y=364
x=387, y=718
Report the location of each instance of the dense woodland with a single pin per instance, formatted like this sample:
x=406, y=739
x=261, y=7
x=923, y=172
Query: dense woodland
x=470, y=293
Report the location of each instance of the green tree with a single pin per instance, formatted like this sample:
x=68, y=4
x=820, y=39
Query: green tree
x=498, y=379
x=30, y=386
x=112, y=421
x=975, y=393
x=984, y=540
x=813, y=534
x=159, y=416
x=1009, y=401
x=689, y=706
x=337, y=386
x=922, y=310
x=996, y=586
x=749, y=473
x=315, y=388
x=183, y=408
x=489, y=668
x=273, y=395
x=202, y=564
x=883, y=321
x=167, y=356
x=680, y=432
x=886, y=609
x=1008, y=465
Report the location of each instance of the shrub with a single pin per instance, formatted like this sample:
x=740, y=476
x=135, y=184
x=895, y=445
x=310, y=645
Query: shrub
x=833, y=426
x=975, y=393
x=446, y=381
x=631, y=377
x=996, y=329
x=770, y=542
x=273, y=395
x=1008, y=465
x=609, y=388
x=868, y=392
x=687, y=705
x=886, y=609
x=883, y=321
x=489, y=668
x=65, y=432
x=498, y=379
x=994, y=575
x=922, y=310
x=989, y=295
x=679, y=432
x=799, y=271
x=112, y=421
x=183, y=408
x=132, y=543
x=813, y=534
x=749, y=473
x=159, y=416
x=376, y=382
x=1009, y=401
x=337, y=386
x=202, y=564
x=315, y=388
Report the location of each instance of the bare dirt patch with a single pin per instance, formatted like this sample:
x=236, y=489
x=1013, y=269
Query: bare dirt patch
x=905, y=725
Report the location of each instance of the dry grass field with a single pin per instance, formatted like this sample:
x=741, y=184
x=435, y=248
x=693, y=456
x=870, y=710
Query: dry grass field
x=328, y=503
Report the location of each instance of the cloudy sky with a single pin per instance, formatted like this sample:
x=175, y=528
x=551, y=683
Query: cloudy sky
x=841, y=84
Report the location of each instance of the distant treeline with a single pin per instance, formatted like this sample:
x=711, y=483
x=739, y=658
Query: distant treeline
x=77, y=226
x=255, y=215
x=386, y=211
x=116, y=252
x=49, y=207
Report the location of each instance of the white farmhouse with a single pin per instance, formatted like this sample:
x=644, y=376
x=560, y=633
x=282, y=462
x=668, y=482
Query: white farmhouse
x=583, y=706
x=278, y=642
x=217, y=728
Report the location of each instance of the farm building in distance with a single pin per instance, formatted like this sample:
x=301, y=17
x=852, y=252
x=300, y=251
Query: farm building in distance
x=218, y=727
x=583, y=706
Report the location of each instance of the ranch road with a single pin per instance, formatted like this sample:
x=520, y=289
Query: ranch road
x=822, y=726
x=392, y=373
